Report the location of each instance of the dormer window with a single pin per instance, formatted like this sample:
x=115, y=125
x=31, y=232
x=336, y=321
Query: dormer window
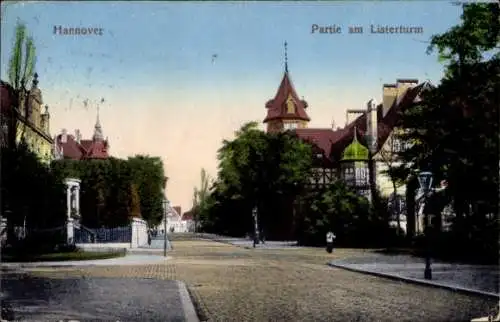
x=290, y=105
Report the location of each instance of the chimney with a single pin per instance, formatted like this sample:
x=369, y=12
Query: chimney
x=390, y=93
x=64, y=136
x=372, y=125
x=78, y=136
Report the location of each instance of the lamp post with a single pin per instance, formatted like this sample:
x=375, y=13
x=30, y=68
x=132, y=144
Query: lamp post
x=256, y=227
x=166, y=206
x=425, y=182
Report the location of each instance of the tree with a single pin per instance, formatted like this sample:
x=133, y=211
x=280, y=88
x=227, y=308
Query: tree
x=148, y=174
x=31, y=194
x=454, y=129
x=343, y=211
x=115, y=190
x=200, y=197
x=262, y=170
x=21, y=72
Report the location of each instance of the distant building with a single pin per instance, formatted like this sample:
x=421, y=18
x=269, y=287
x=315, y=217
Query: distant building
x=32, y=126
x=175, y=222
x=73, y=147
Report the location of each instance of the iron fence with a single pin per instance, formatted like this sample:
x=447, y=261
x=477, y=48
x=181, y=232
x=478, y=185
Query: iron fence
x=103, y=235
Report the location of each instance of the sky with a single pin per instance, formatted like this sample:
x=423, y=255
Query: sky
x=166, y=95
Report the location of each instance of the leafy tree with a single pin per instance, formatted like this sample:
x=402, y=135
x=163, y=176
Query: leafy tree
x=21, y=72
x=200, y=197
x=343, y=211
x=148, y=174
x=31, y=194
x=115, y=190
x=455, y=127
x=261, y=170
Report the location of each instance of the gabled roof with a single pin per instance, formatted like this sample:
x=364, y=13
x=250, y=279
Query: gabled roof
x=333, y=143
x=277, y=107
x=86, y=149
x=387, y=124
x=98, y=150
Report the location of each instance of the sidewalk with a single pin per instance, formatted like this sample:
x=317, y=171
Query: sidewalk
x=31, y=298
x=129, y=259
x=473, y=279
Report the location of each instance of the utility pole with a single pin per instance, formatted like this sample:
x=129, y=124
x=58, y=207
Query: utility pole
x=165, y=227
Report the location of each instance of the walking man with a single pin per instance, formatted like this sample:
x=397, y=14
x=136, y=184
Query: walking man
x=330, y=237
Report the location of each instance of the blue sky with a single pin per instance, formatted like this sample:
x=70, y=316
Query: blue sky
x=164, y=96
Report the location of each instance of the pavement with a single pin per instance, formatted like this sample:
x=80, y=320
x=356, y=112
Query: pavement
x=129, y=259
x=26, y=297
x=229, y=283
x=473, y=279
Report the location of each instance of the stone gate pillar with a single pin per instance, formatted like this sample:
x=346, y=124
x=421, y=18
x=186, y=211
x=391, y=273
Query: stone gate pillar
x=72, y=207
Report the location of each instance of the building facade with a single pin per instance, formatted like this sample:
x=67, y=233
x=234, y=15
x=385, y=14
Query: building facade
x=30, y=123
x=360, y=151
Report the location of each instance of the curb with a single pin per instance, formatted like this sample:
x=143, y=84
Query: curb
x=187, y=305
x=462, y=290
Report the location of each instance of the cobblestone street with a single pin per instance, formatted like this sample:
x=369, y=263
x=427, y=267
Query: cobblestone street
x=231, y=283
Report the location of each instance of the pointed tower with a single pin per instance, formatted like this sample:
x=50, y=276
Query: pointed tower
x=99, y=147
x=286, y=111
x=98, y=136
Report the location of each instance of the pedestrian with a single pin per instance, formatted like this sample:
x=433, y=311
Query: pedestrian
x=330, y=237
x=149, y=237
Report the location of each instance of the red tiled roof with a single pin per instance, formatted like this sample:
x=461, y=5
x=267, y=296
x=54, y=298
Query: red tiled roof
x=86, y=144
x=98, y=150
x=277, y=109
x=86, y=149
x=332, y=143
x=71, y=148
x=322, y=138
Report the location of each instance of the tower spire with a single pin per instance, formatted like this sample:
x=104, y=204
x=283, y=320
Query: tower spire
x=355, y=133
x=97, y=128
x=286, y=57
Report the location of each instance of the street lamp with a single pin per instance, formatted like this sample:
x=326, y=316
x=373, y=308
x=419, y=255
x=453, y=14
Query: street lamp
x=256, y=227
x=425, y=182
x=166, y=207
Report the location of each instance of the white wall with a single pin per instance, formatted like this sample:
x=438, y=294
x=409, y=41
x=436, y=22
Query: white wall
x=139, y=233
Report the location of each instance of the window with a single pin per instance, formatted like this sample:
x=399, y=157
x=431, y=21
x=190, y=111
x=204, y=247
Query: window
x=290, y=126
x=361, y=176
x=396, y=145
x=290, y=105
